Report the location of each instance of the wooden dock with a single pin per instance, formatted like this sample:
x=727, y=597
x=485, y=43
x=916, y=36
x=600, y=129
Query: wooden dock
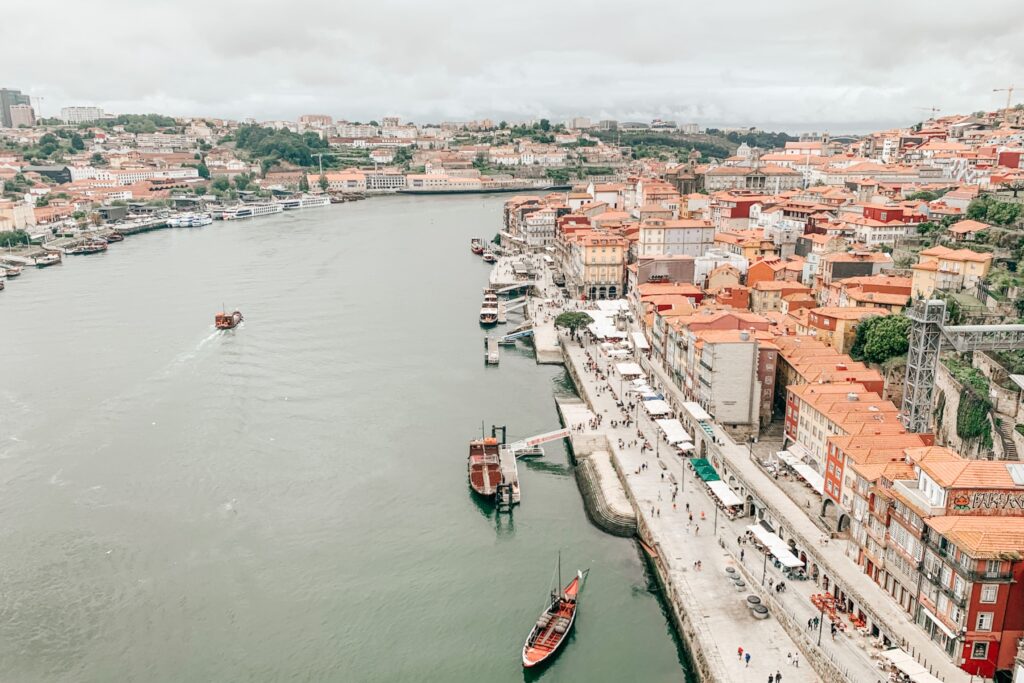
x=491, y=350
x=508, y=489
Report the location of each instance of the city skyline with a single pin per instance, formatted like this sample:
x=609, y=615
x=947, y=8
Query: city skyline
x=788, y=67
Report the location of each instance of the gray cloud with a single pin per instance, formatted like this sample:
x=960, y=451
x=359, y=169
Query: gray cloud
x=790, y=64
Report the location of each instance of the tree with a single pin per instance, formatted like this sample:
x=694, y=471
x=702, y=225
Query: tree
x=221, y=184
x=545, y=125
x=242, y=181
x=503, y=125
x=77, y=143
x=573, y=320
x=97, y=159
x=888, y=337
x=303, y=183
x=13, y=238
x=204, y=171
x=323, y=183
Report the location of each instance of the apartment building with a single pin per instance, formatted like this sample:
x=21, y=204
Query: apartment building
x=952, y=270
x=690, y=237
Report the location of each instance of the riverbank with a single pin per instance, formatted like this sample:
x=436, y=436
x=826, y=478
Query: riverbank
x=710, y=612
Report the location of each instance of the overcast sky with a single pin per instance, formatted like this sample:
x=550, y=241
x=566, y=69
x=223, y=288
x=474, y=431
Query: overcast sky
x=781, y=65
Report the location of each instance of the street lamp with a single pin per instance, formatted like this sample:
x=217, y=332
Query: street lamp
x=764, y=570
x=821, y=621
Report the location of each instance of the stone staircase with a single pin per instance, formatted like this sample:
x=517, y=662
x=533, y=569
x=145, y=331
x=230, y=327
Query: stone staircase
x=1005, y=429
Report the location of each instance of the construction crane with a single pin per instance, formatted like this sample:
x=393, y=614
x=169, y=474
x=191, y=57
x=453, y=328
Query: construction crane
x=933, y=110
x=1009, y=94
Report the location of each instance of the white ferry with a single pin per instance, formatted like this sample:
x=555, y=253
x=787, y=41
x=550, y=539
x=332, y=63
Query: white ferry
x=251, y=211
x=199, y=220
x=306, y=201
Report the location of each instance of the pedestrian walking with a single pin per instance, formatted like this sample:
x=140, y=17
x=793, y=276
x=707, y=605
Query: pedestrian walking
x=746, y=658
x=739, y=652
x=778, y=677
x=771, y=678
x=741, y=554
x=796, y=661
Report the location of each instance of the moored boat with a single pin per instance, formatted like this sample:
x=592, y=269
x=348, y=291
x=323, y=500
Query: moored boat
x=488, y=257
x=51, y=258
x=251, y=211
x=484, y=466
x=489, y=308
x=114, y=237
x=227, y=321
x=555, y=622
x=476, y=245
x=12, y=271
x=87, y=247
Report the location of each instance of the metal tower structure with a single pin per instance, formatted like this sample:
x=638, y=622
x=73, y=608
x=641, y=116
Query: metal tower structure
x=928, y=334
x=926, y=319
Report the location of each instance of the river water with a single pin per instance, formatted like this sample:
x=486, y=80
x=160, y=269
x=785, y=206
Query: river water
x=288, y=500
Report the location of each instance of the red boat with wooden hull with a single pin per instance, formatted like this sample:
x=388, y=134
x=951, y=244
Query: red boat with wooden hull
x=228, y=321
x=554, y=625
x=477, y=246
x=484, y=466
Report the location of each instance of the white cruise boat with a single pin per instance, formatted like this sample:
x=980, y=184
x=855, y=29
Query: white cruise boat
x=251, y=211
x=306, y=201
x=182, y=220
x=199, y=220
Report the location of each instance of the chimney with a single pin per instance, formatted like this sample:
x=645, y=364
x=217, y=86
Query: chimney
x=852, y=397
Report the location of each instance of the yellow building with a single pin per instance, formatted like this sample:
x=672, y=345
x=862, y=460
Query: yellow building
x=598, y=265
x=833, y=325
x=948, y=269
x=15, y=215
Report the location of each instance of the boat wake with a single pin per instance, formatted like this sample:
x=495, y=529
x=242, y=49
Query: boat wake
x=186, y=357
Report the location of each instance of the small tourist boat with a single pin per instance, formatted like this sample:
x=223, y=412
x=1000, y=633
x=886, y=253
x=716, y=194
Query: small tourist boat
x=114, y=237
x=484, y=466
x=48, y=259
x=555, y=622
x=489, y=308
x=12, y=271
x=489, y=257
x=87, y=247
x=228, y=321
x=476, y=245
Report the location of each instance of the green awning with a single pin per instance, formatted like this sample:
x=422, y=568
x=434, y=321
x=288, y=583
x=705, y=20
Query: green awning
x=704, y=469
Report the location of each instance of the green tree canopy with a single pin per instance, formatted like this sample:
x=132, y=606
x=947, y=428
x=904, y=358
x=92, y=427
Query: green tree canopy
x=573, y=320
x=880, y=338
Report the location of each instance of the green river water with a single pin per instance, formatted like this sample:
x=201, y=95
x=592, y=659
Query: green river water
x=288, y=501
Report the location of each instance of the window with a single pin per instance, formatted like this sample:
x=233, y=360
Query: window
x=992, y=567
x=979, y=651
x=984, y=621
x=989, y=593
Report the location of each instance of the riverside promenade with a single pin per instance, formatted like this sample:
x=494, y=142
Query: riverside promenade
x=849, y=651
x=709, y=611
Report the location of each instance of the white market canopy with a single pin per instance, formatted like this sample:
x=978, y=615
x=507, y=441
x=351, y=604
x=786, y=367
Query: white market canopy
x=629, y=370
x=674, y=432
x=776, y=545
x=806, y=472
x=724, y=493
x=696, y=412
x=640, y=341
x=605, y=331
x=657, y=407
x=905, y=663
x=612, y=305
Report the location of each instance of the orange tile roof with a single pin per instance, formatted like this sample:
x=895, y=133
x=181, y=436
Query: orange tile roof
x=983, y=537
